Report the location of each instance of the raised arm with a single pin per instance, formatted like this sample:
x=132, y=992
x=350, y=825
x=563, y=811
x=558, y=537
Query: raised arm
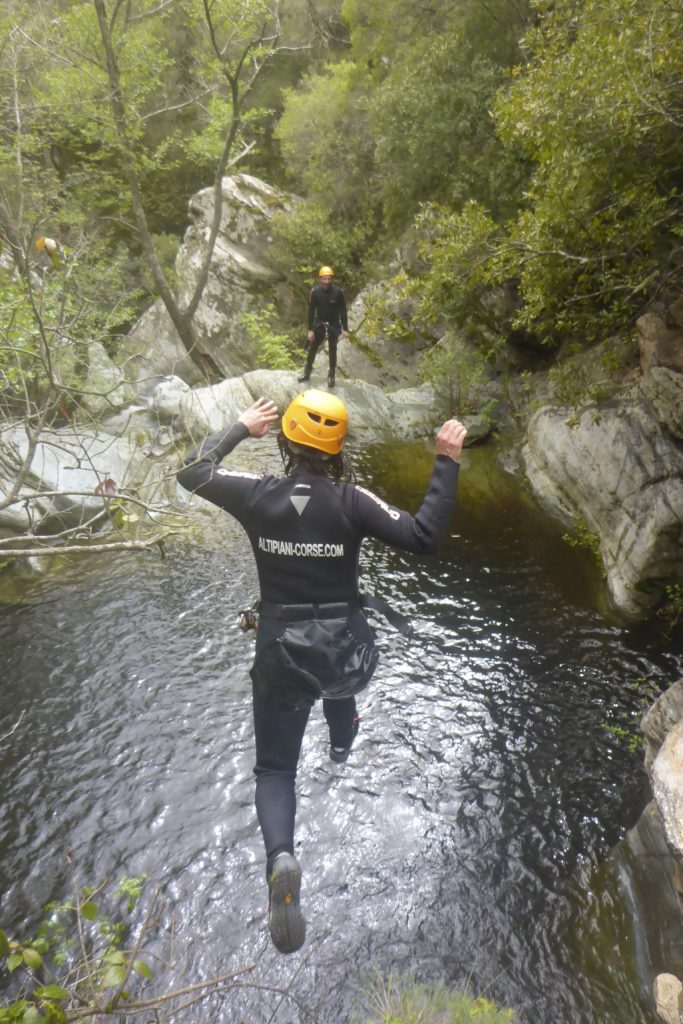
x=426, y=531
x=200, y=472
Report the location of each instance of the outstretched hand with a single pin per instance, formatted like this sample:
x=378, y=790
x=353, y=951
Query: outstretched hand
x=450, y=439
x=258, y=417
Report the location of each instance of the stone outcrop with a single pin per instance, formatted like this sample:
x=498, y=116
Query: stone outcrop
x=617, y=470
x=241, y=279
x=373, y=414
x=69, y=469
x=663, y=728
x=660, y=344
x=105, y=387
x=668, y=995
x=384, y=347
x=663, y=389
x=657, y=840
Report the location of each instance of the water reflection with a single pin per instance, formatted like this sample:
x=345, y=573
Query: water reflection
x=464, y=841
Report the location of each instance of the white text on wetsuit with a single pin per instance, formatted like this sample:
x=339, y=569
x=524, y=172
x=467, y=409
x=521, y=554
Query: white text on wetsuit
x=300, y=550
x=394, y=513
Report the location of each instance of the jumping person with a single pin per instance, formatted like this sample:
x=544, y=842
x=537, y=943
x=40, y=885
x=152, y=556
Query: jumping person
x=313, y=639
x=326, y=314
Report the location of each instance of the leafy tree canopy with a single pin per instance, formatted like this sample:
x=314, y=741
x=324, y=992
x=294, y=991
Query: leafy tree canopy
x=596, y=109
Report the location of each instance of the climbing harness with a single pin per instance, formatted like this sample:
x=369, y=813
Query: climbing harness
x=308, y=651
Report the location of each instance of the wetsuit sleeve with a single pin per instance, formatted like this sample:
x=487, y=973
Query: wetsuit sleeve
x=311, y=309
x=423, y=533
x=201, y=474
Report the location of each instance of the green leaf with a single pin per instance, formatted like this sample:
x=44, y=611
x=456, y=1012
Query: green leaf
x=15, y=1011
x=114, y=977
x=114, y=957
x=89, y=911
x=14, y=961
x=51, y=992
x=142, y=968
x=32, y=958
x=4, y=944
x=32, y=1015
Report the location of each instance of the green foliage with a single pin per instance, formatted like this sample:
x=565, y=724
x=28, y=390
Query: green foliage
x=672, y=609
x=275, y=350
x=308, y=237
x=131, y=886
x=583, y=537
x=454, y=369
x=93, y=964
x=624, y=723
x=321, y=143
x=581, y=377
x=404, y=118
x=417, y=1004
x=435, y=137
x=48, y=319
x=100, y=149
x=595, y=110
x=571, y=193
x=461, y=275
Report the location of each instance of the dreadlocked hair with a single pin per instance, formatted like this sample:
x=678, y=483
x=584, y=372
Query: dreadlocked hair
x=300, y=456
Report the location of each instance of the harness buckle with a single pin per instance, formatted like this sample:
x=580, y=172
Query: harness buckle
x=248, y=618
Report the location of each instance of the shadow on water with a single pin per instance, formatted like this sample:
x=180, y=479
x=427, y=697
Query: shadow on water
x=467, y=840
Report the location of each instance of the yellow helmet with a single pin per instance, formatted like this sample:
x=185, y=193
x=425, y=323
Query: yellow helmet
x=316, y=419
x=326, y=272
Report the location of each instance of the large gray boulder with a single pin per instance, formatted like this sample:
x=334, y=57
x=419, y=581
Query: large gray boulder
x=660, y=344
x=384, y=347
x=105, y=388
x=64, y=483
x=667, y=785
x=662, y=725
x=242, y=279
x=659, y=720
x=617, y=471
x=663, y=389
x=373, y=414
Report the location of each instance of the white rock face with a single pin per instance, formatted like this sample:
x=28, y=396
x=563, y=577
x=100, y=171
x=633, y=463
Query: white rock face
x=663, y=389
x=241, y=279
x=105, y=388
x=373, y=414
x=167, y=396
x=668, y=995
x=67, y=463
x=667, y=784
x=620, y=472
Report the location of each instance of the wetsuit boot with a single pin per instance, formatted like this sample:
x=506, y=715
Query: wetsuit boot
x=285, y=920
x=341, y=754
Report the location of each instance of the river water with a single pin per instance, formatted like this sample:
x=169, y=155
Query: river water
x=465, y=842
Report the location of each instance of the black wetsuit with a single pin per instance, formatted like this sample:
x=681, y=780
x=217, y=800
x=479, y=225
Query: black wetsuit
x=326, y=309
x=306, y=533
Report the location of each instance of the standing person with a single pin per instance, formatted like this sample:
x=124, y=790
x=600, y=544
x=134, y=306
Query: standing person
x=313, y=640
x=326, y=312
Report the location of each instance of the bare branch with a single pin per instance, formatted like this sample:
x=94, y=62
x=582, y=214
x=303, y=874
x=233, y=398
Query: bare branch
x=89, y=549
x=150, y=1004
x=178, y=106
x=152, y=13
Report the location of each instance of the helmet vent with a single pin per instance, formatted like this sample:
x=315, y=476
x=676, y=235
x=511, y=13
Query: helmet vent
x=331, y=423
x=314, y=416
